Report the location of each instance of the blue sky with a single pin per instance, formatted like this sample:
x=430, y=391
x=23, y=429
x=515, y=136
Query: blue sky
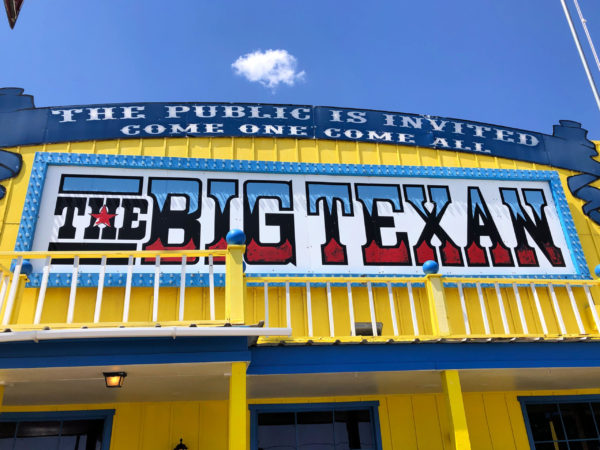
x=507, y=62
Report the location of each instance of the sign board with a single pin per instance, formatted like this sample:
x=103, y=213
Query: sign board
x=305, y=218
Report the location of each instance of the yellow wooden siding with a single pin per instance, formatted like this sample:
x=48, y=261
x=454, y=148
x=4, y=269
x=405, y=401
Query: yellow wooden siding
x=289, y=150
x=407, y=422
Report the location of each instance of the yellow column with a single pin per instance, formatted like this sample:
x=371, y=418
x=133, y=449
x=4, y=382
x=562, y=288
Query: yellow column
x=237, y=407
x=459, y=433
x=437, y=305
x=235, y=288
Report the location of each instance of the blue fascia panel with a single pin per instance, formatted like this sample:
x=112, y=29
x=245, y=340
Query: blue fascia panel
x=438, y=356
x=117, y=351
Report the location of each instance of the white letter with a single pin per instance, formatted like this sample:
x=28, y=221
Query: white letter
x=248, y=128
x=459, y=145
x=479, y=129
x=154, y=129
x=414, y=122
x=95, y=113
x=130, y=112
x=297, y=131
x=174, y=111
x=479, y=148
x=234, y=111
x=458, y=127
x=353, y=134
x=357, y=117
x=406, y=138
x=389, y=120
x=131, y=130
x=336, y=116
x=279, y=112
x=273, y=129
x=67, y=114
x=191, y=128
x=255, y=113
x=385, y=136
x=528, y=139
x=436, y=126
x=329, y=132
x=296, y=113
x=213, y=128
x=440, y=141
x=502, y=135
x=199, y=110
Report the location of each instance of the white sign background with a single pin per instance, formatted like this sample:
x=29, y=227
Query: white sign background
x=309, y=230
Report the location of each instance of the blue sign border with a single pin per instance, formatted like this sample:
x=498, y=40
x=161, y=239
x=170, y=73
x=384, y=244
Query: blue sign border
x=42, y=160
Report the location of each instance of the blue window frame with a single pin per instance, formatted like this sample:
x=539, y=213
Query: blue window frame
x=560, y=422
x=56, y=430
x=315, y=426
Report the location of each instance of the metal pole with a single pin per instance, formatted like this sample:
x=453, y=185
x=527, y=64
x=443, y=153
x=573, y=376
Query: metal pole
x=581, y=54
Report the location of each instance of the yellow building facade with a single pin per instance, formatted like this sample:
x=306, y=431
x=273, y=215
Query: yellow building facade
x=252, y=342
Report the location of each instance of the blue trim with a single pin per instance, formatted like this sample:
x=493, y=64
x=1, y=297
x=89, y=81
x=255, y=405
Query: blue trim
x=42, y=160
x=121, y=351
x=372, y=406
x=105, y=414
x=426, y=356
x=549, y=399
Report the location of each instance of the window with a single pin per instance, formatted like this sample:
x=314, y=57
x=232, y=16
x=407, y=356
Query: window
x=319, y=426
x=68, y=430
x=562, y=422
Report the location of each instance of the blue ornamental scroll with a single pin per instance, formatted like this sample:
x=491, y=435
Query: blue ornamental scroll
x=21, y=123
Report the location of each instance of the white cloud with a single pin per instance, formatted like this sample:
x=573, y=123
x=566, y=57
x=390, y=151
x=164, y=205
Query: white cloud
x=270, y=68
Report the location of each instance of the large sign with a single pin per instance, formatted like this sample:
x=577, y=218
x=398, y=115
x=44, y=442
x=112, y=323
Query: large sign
x=23, y=124
x=306, y=219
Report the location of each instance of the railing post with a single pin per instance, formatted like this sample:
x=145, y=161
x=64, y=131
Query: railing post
x=237, y=406
x=436, y=299
x=459, y=433
x=235, y=288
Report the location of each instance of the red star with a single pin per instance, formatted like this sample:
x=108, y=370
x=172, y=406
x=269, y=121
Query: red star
x=103, y=218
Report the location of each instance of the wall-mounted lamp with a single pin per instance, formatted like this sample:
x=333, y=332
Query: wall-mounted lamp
x=181, y=445
x=114, y=379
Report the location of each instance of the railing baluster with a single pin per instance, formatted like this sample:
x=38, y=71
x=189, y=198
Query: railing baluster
x=13, y=291
x=413, y=311
x=182, y=288
x=502, y=309
x=5, y=281
x=538, y=307
x=266, y=290
x=100, y=290
x=392, y=308
x=463, y=307
x=309, y=310
x=330, y=310
x=211, y=286
x=351, y=309
x=575, y=309
x=524, y=326
x=559, y=317
x=156, y=289
x=73, y=290
x=288, y=306
x=127, y=299
x=592, y=306
x=42, y=294
x=372, y=308
x=486, y=323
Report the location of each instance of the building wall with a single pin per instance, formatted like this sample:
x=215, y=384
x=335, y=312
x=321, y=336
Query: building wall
x=407, y=422
x=288, y=150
